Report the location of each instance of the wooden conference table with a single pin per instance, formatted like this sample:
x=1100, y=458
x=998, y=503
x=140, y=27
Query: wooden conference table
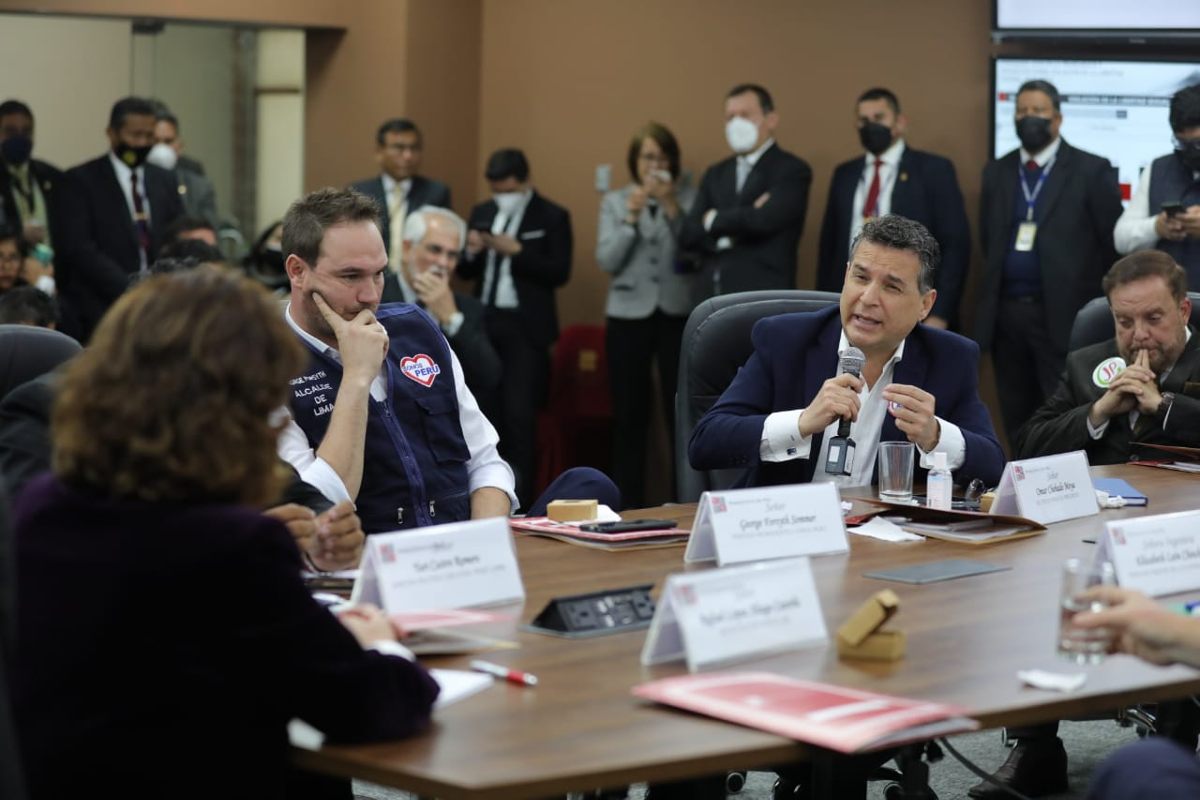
x=581, y=728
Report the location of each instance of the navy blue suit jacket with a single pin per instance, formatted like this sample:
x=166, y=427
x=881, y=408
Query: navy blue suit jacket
x=794, y=354
x=926, y=190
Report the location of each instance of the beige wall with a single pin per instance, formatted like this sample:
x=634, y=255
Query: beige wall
x=73, y=84
x=570, y=81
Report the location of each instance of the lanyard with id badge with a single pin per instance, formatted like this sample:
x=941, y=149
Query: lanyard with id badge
x=1027, y=230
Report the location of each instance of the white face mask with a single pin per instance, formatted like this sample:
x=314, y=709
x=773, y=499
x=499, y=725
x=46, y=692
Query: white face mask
x=508, y=202
x=742, y=134
x=163, y=155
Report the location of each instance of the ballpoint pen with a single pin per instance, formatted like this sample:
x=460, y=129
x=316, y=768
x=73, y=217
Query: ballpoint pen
x=510, y=675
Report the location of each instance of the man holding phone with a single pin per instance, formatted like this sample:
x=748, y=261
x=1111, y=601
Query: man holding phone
x=1164, y=213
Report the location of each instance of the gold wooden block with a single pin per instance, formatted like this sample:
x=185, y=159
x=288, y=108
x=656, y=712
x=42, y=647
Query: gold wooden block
x=879, y=646
x=571, y=510
x=869, y=617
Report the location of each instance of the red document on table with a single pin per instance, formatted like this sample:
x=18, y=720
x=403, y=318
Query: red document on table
x=833, y=717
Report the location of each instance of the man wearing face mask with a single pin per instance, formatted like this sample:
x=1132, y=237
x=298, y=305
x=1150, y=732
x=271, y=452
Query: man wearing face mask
x=749, y=212
x=893, y=178
x=1165, y=210
x=114, y=218
x=195, y=189
x=28, y=188
x=1047, y=212
x=519, y=246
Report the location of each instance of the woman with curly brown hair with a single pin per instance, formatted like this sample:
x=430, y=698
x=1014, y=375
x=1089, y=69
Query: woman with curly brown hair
x=164, y=634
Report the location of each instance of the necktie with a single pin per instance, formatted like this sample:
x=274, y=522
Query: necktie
x=141, y=221
x=397, y=211
x=494, y=264
x=1031, y=165
x=743, y=170
x=871, y=206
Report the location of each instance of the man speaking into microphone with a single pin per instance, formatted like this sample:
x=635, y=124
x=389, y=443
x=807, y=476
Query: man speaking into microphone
x=803, y=391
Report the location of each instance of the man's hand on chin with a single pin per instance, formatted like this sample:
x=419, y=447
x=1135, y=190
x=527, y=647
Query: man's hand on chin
x=913, y=409
x=362, y=341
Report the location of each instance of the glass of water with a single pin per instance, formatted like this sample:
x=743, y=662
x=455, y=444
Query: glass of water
x=1090, y=645
x=896, y=471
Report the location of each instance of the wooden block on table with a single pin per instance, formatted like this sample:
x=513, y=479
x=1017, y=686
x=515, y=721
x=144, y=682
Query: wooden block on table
x=571, y=510
x=879, y=646
x=869, y=617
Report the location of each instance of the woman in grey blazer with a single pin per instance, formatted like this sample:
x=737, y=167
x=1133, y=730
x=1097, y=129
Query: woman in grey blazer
x=652, y=292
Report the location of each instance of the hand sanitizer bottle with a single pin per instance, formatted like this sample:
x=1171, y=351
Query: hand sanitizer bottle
x=939, y=484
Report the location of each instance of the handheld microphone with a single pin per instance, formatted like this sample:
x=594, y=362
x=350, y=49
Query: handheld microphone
x=840, y=459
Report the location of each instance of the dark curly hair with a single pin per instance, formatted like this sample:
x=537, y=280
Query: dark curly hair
x=173, y=399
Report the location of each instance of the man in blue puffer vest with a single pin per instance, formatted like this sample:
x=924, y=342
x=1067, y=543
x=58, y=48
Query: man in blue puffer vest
x=382, y=414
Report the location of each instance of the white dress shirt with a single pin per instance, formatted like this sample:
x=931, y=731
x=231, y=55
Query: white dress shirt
x=1048, y=154
x=499, y=268
x=123, y=180
x=889, y=169
x=1135, y=229
x=781, y=439
x=485, y=467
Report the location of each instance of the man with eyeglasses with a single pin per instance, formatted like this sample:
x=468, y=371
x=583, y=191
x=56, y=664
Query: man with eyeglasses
x=1164, y=212
x=398, y=191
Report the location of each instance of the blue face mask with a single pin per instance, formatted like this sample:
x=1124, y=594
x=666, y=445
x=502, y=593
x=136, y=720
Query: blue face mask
x=16, y=149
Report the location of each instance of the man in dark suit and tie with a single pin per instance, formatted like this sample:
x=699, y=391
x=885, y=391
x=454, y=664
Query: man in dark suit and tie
x=893, y=178
x=749, y=212
x=919, y=384
x=29, y=188
x=519, y=246
x=114, y=217
x=1046, y=218
x=398, y=190
x=1154, y=399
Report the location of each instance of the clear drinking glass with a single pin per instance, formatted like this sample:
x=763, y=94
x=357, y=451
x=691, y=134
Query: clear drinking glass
x=1083, y=646
x=896, y=471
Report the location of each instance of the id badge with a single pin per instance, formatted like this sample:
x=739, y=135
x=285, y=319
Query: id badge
x=1026, y=233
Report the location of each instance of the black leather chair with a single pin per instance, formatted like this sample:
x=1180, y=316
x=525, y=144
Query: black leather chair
x=1094, y=322
x=11, y=782
x=716, y=342
x=27, y=352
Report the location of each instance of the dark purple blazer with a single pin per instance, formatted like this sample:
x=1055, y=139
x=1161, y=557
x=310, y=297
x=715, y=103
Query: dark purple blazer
x=169, y=644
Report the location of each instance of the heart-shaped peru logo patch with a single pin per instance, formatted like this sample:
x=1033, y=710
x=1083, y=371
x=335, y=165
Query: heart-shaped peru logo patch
x=420, y=368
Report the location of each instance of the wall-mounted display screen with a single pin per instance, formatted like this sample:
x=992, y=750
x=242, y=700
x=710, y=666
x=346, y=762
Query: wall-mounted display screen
x=1117, y=109
x=1170, y=17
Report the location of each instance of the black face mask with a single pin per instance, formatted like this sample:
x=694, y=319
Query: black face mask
x=16, y=149
x=1034, y=133
x=1189, y=153
x=132, y=157
x=875, y=137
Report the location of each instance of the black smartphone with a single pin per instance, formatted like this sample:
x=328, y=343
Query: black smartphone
x=1172, y=208
x=625, y=526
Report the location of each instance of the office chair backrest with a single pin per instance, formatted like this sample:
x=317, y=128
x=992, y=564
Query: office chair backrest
x=716, y=342
x=27, y=352
x=1094, y=322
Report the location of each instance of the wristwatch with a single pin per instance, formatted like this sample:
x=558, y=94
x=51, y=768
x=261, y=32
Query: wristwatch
x=1164, y=405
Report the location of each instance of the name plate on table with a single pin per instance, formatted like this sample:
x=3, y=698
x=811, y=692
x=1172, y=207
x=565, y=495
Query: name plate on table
x=1156, y=555
x=1047, y=489
x=743, y=525
x=459, y=565
x=723, y=615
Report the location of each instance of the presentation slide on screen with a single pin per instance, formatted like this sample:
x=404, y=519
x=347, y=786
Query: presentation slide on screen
x=1120, y=15
x=1117, y=109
